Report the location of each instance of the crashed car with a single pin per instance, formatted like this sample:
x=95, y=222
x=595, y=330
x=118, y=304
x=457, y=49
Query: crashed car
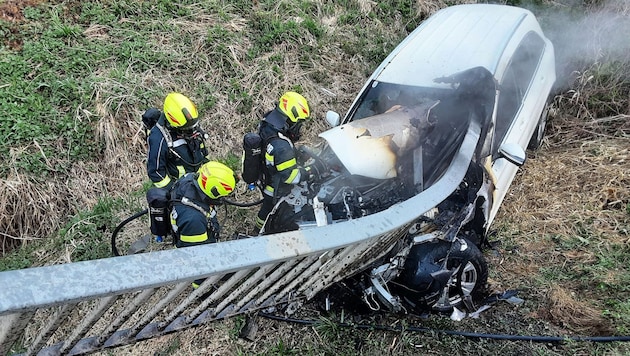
x=474, y=79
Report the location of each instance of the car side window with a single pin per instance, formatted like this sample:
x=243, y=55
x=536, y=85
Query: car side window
x=516, y=81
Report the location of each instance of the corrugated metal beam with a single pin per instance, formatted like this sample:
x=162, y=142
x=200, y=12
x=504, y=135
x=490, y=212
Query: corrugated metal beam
x=11, y=328
x=86, y=324
x=53, y=323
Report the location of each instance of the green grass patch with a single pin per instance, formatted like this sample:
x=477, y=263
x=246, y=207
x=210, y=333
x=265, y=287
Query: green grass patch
x=87, y=232
x=619, y=311
x=21, y=258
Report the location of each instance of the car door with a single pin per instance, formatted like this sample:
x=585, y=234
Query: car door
x=523, y=91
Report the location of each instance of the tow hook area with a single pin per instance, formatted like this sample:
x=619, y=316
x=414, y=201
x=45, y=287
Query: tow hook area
x=379, y=290
x=378, y=280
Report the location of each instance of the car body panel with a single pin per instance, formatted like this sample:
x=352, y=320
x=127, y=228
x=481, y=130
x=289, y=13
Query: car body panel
x=423, y=56
x=495, y=37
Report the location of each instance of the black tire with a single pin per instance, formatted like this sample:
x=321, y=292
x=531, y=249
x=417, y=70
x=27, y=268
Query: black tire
x=468, y=274
x=537, y=138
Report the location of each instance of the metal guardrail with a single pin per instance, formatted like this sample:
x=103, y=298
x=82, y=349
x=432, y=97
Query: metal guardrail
x=122, y=300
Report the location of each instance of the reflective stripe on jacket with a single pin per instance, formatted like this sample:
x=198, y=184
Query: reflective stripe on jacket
x=166, y=164
x=190, y=212
x=281, y=164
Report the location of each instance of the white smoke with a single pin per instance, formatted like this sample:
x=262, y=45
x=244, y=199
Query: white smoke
x=587, y=36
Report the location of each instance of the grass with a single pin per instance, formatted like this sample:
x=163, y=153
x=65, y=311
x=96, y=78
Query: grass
x=76, y=76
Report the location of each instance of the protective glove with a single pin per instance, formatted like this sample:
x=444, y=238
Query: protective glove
x=315, y=171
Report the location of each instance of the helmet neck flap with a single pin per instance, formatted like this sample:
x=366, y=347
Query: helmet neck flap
x=276, y=119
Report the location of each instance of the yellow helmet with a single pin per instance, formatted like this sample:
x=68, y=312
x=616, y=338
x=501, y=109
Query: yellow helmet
x=180, y=112
x=216, y=179
x=294, y=106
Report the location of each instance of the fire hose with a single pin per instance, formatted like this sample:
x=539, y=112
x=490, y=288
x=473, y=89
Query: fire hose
x=122, y=224
x=473, y=335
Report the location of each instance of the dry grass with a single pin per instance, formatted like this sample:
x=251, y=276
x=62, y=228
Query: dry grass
x=564, y=309
x=586, y=179
x=573, y=192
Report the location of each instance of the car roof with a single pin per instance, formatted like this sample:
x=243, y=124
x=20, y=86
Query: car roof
x=454, y=39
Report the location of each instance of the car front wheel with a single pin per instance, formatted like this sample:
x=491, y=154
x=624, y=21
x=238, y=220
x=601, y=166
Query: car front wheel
x=440, y=275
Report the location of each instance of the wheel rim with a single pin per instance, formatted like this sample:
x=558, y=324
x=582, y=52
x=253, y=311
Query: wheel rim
x=469, y=278
x=459, y=276
x=461, y=284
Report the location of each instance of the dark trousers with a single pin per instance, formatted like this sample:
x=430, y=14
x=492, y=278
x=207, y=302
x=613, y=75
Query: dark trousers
x=265, y=209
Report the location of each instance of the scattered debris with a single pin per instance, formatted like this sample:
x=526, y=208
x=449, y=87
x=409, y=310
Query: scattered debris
x=249, y=329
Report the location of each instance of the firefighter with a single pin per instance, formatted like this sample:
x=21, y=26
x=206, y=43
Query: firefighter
x=279, y=131
x=194, y=198
x=176, y=142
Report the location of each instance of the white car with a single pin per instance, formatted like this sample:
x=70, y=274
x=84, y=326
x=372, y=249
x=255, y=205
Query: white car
x=506, y=41
x=459, y=100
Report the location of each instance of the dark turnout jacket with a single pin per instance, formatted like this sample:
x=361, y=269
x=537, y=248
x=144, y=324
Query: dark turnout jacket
x=191, y=213
x=281, y=167
x=169, y=158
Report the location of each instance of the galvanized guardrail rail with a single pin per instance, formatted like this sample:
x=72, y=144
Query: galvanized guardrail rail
x=78, y=308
